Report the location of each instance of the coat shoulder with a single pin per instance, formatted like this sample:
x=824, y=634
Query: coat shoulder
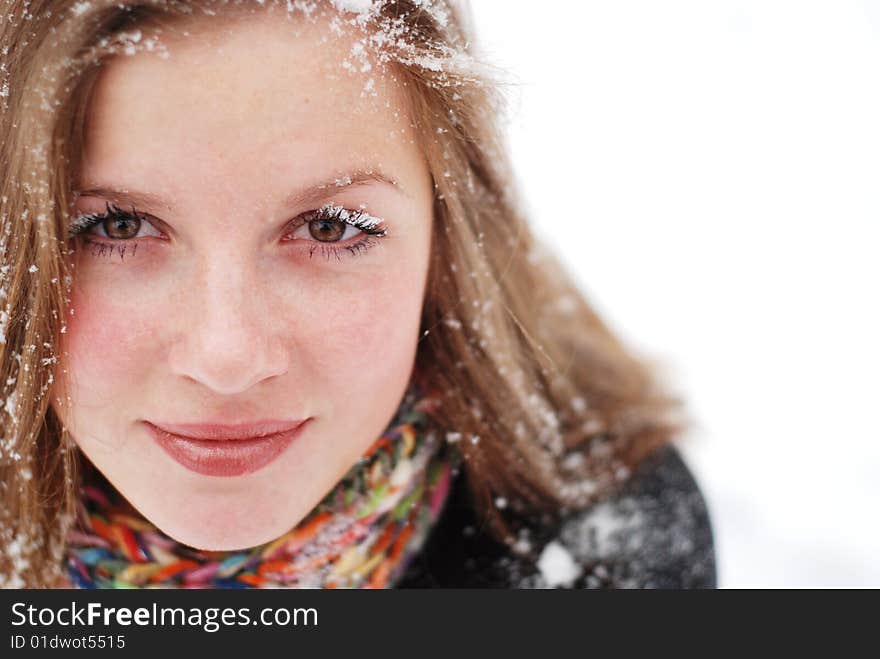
x=654, y=531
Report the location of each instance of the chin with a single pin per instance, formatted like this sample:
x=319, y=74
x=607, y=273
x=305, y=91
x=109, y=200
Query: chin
x=223, y=532
x=211, y=540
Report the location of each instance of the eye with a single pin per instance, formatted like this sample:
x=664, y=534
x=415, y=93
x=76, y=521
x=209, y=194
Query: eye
x=326, y=230
x=115, y=224
x=334, y=224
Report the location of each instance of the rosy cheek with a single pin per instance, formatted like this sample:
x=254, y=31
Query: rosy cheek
x=365, y=334
x=106, y=342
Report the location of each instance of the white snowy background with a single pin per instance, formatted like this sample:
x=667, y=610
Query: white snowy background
x=710, y=171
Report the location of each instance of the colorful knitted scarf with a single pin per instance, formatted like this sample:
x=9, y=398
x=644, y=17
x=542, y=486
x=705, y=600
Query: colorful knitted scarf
x=361, y=535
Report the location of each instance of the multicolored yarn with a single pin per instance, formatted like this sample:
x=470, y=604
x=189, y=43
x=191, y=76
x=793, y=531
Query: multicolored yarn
x=361, y=535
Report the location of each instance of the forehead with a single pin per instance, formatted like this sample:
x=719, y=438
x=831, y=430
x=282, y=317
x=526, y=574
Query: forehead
x=249, y=90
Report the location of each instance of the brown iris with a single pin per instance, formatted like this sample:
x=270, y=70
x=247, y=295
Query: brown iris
x=122, y=228
x=327, y=229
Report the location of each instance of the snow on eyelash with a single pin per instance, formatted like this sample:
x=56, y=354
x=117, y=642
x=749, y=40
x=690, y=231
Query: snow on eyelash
x=358, y=219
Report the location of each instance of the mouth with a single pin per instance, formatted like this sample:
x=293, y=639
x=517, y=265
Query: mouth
x=224, y=450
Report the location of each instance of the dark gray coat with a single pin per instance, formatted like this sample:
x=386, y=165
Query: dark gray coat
x=654, y=532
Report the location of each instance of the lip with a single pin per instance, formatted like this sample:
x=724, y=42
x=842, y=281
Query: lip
x=225, y=450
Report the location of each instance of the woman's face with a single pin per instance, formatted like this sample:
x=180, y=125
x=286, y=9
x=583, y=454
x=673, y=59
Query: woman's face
x=225, y=299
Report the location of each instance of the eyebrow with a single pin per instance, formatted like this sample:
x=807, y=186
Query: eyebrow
x=308, y=195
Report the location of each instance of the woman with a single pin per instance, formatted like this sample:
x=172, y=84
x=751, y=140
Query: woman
x=273, y=317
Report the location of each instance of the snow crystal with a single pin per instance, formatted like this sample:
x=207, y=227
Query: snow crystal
x=81, y=8
x=360, y=219
x=33, y=269
x=429, y=62
x=453, y=437
x=609, y=529
x=592, y=426
x=573, y=461
x=10, y=404
x=522, y=545
x=500, y=503
x=353, y=6
x=17, y=554
x=557, y=565
x=566, y=304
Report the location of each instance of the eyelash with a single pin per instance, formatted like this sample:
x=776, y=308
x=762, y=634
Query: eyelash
x=371, y=227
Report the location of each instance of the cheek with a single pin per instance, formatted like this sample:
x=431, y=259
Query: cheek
x=367, y=332
x=107, y=341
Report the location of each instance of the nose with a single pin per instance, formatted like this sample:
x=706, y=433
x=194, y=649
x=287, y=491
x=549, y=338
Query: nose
x=229, y=342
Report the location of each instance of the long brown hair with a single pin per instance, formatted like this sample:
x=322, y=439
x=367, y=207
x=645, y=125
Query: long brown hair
x=549, y=410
